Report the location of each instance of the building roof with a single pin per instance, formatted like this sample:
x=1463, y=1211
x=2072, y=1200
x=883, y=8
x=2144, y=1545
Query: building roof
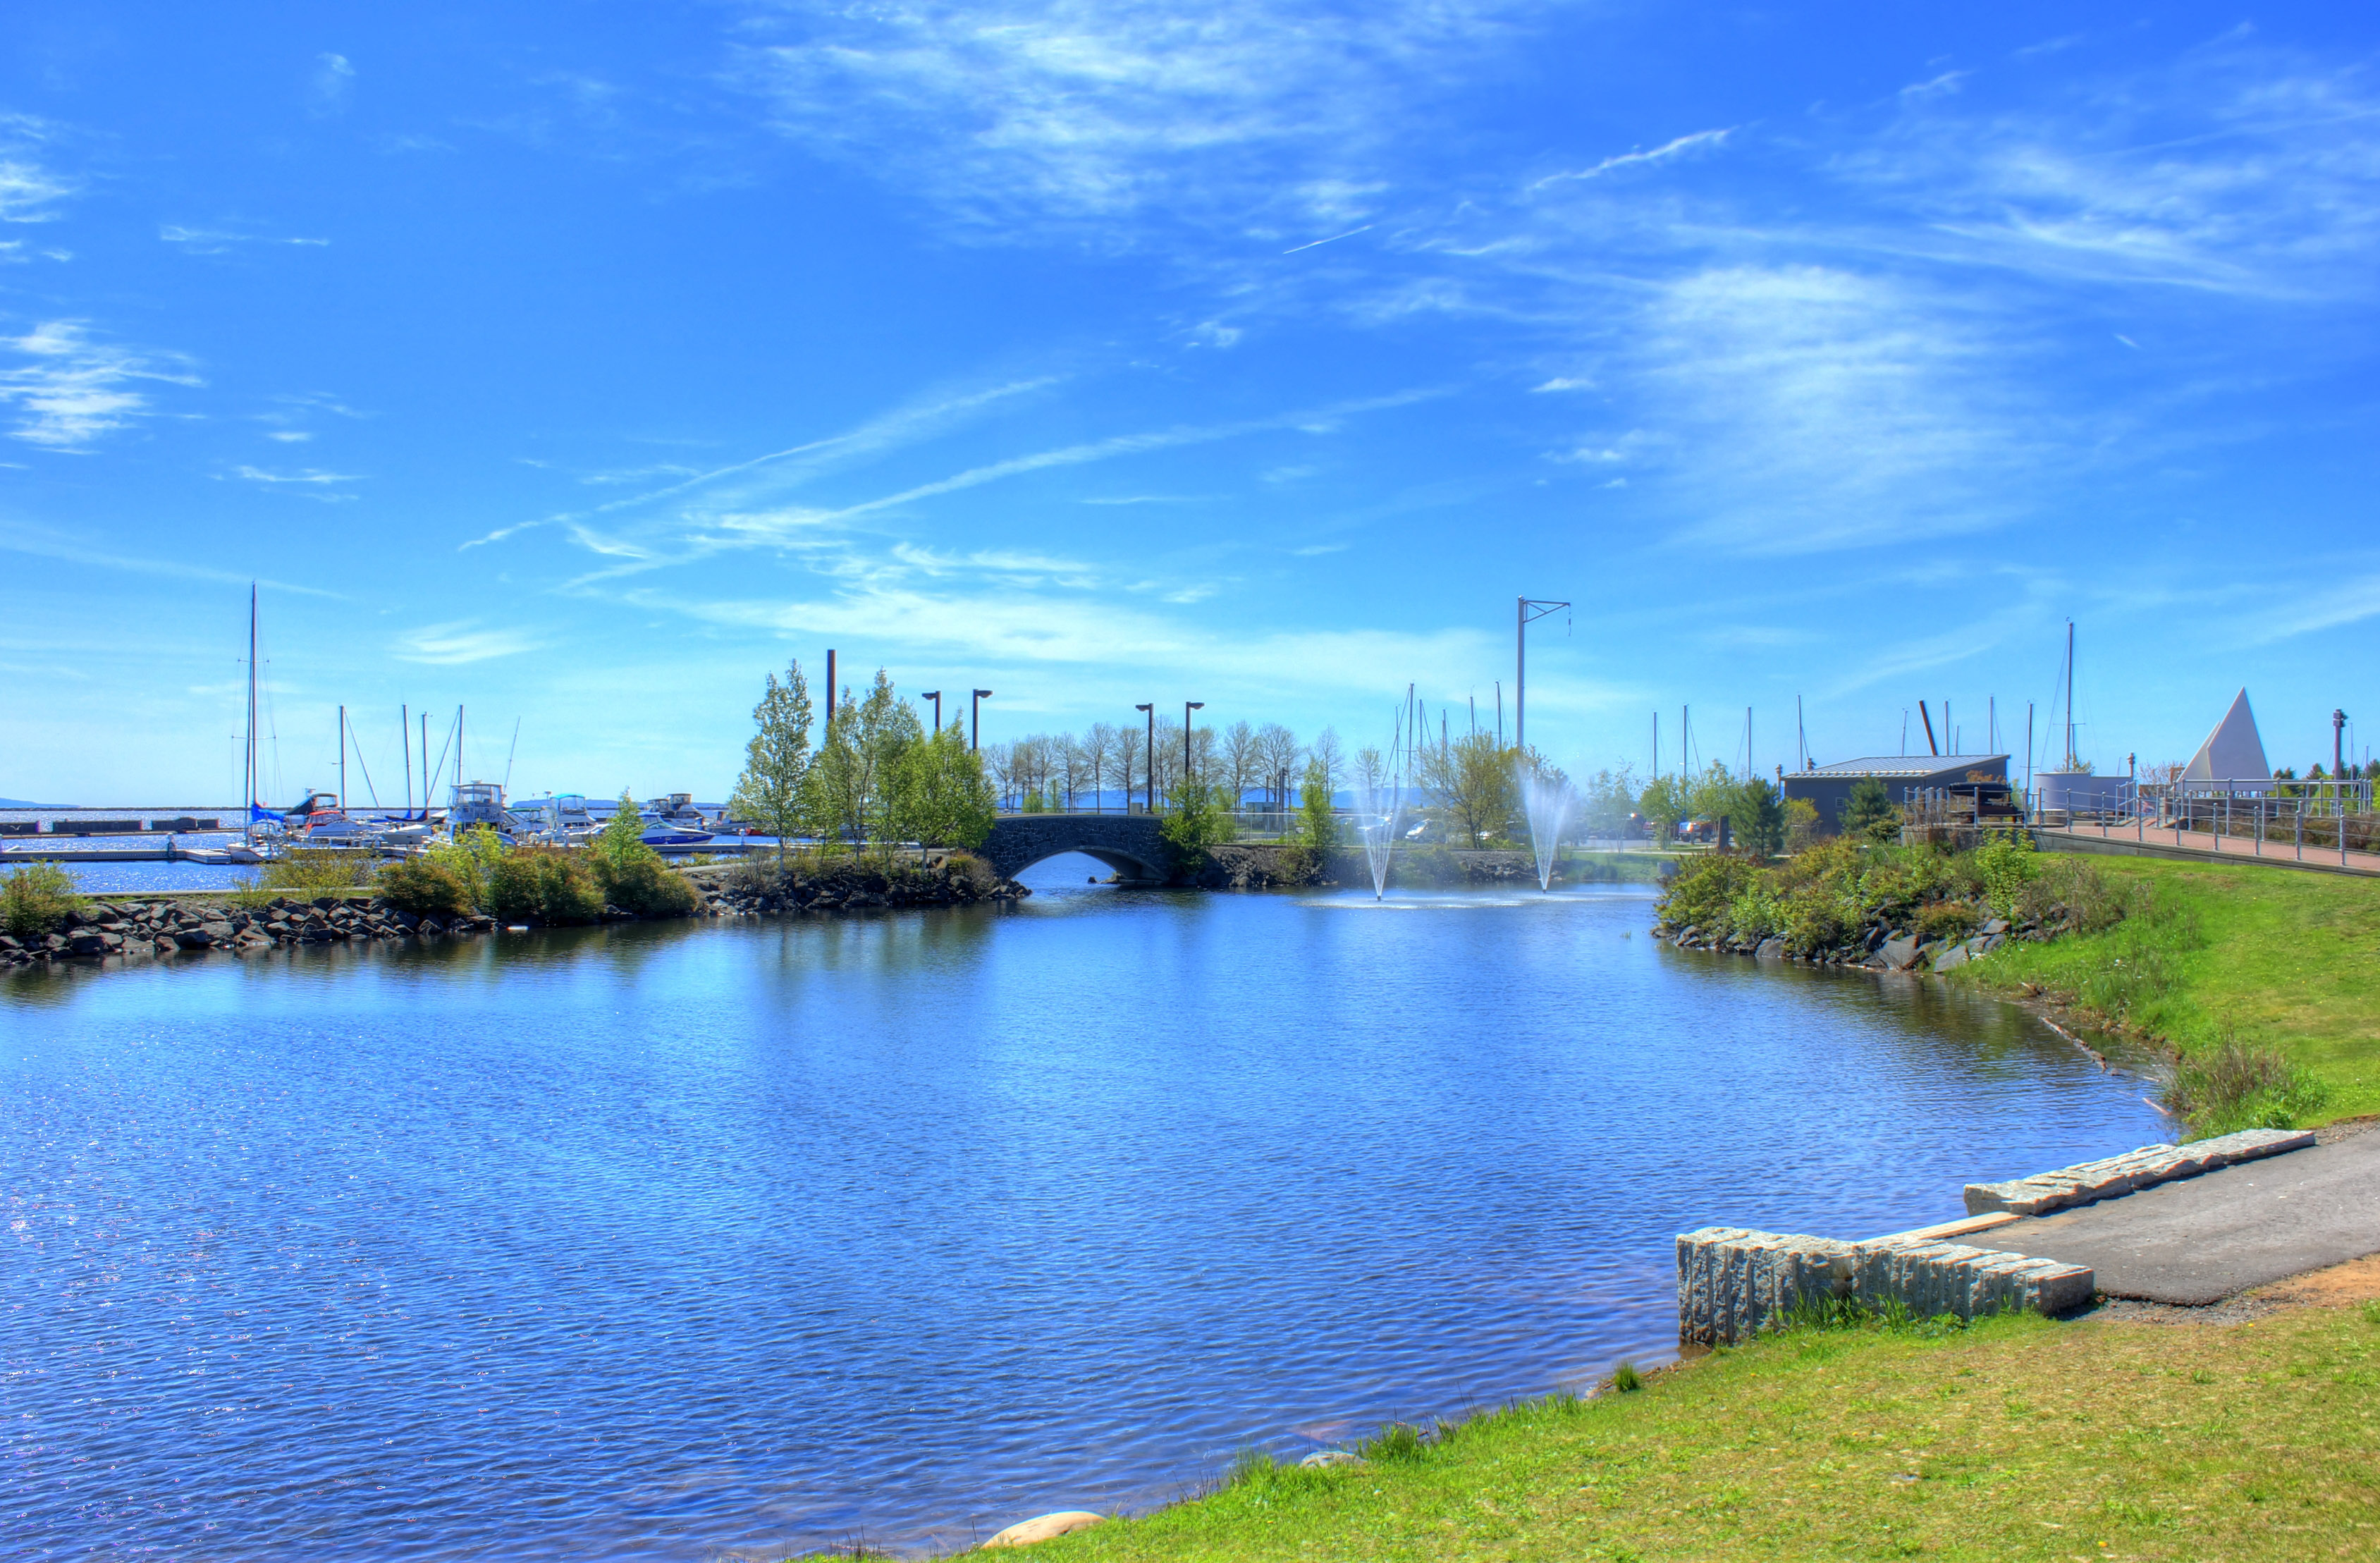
x=1905, y=765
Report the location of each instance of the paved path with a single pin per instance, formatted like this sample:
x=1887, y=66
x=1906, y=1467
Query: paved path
x=2198, y=1240
x=2203, y=846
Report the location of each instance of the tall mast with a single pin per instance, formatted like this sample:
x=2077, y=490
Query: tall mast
x=342, y=757
x=404, y=738
x=2070, y=693
x=251, y=826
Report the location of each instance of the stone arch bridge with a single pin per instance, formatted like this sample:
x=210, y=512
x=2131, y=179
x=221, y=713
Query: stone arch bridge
x=1132, y=844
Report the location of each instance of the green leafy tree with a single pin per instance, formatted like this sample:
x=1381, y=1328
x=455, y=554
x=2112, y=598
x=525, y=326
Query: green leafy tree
x=1868, y=812
x=1471, y=780
x=1317, y=823
x=1198, y=817
x=942, y=796
x=1663, y=802
x=847, y=795
x=471, y=858
x=777, y=758
x=1757, y=810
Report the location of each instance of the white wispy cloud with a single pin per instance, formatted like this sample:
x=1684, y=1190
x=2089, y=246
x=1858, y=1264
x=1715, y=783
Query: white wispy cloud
x=888, y=431
x=38, y=543
x=221, y=241
x=30, y=186
x=1682, y=146
x=1019, y=114
x=310, y=483
x=68, y=388
x=462, y=641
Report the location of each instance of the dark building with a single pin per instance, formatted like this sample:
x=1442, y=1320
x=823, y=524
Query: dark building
x=1829, y=786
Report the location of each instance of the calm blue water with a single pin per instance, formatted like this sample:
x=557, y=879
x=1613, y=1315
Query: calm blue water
x=683, y=1241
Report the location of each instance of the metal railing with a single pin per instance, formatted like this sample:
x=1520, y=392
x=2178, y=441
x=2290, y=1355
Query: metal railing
x=2279, y=815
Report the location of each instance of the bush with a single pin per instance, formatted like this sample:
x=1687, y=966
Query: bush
x=2234, y=1088
x=2007, y=864
x=306, y=872
x=645, y=884
x=425, y=887
x=545, y=885
x=1701, y=894
x=1947, y=919
x=35, y=898
x=471, y=858
x=979, y=875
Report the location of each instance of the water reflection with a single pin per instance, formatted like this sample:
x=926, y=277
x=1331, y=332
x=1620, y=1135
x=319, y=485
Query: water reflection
x=676, y=1241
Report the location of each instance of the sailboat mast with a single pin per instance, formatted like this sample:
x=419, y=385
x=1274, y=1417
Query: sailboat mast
x=342, y=757
x=405, y=741
x=251, y=827
x=2070, y=693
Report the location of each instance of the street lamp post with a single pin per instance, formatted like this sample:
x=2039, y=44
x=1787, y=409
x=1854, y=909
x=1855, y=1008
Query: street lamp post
x=1187, y=707
x=975, y=719
x=1148, y=763
x=936, y=696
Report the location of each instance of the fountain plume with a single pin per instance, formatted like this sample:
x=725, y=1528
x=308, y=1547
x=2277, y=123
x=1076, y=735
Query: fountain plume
x=1547, y=801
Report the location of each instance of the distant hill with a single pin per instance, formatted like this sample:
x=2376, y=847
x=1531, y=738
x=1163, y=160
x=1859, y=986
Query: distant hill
x=19, y=803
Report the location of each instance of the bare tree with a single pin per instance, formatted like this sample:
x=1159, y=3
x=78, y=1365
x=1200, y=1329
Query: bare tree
x=1099, y=749
x=1238, y=760
x=1282, y=754
x=1073, y=764
x=1328, y=753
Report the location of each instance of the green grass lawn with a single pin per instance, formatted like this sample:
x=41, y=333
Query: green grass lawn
x=2018, y=1438
x=2277, y=958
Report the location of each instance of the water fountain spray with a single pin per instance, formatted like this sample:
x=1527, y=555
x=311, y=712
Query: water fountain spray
x=1547, y=801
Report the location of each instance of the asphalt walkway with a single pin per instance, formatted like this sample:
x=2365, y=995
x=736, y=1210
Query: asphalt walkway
x=2200, y=1240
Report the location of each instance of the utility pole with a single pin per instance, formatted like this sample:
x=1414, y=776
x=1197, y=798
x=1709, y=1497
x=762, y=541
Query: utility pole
x=828, y=732
x=1187, y=707
x=936, y=696
x=1529, y=610
x=2337, y=749
x=1149, y=765
x=975, y=719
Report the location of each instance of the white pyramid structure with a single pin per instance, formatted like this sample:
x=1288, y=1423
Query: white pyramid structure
x=2232, y=751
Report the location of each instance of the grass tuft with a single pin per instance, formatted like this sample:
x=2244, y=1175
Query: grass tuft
x=1397, y=1442
x=1626, y=1379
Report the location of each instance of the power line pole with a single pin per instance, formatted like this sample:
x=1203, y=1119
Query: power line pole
x=1529, y=610
x=1148, y=764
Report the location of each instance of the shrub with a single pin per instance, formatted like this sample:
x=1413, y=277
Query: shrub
x=1755, y=912
x=981, y=876
x=543, y=884
x=1198, y=819
x=1704, y=890
x=306, y=872
x=2088, y=900
x=425, y=887
x=645, y=884
x=471, y=858
x=2007, y=864
x=1868, y=813
x=35, y=898
x=1947, y=919
x=2234, y=1087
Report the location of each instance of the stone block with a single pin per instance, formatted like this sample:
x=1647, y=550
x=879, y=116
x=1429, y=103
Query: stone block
x=1733, y=1282
x=2141, y=1169
x=1951, y=958
x=1771, y=949
x=1899, y=954
x=1929, y=1277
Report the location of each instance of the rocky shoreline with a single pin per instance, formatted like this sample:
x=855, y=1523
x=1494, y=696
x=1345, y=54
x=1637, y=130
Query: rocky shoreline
x=130, y=927
x=1883, y=949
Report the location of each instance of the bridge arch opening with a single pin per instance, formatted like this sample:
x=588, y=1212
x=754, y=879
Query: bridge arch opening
x=1070, y=864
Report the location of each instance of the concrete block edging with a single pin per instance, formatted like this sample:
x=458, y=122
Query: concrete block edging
x=1733, y=1282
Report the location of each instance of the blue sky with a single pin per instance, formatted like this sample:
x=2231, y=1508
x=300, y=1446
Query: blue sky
x=583, y=362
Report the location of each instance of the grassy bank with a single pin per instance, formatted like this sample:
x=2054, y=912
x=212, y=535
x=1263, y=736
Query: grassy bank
x=2017, y=1438
x=2260, y=958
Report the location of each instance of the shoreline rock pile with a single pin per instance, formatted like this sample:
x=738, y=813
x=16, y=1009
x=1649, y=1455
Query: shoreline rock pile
x=741, y=892
x=1883, y=947
x=151, y=928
